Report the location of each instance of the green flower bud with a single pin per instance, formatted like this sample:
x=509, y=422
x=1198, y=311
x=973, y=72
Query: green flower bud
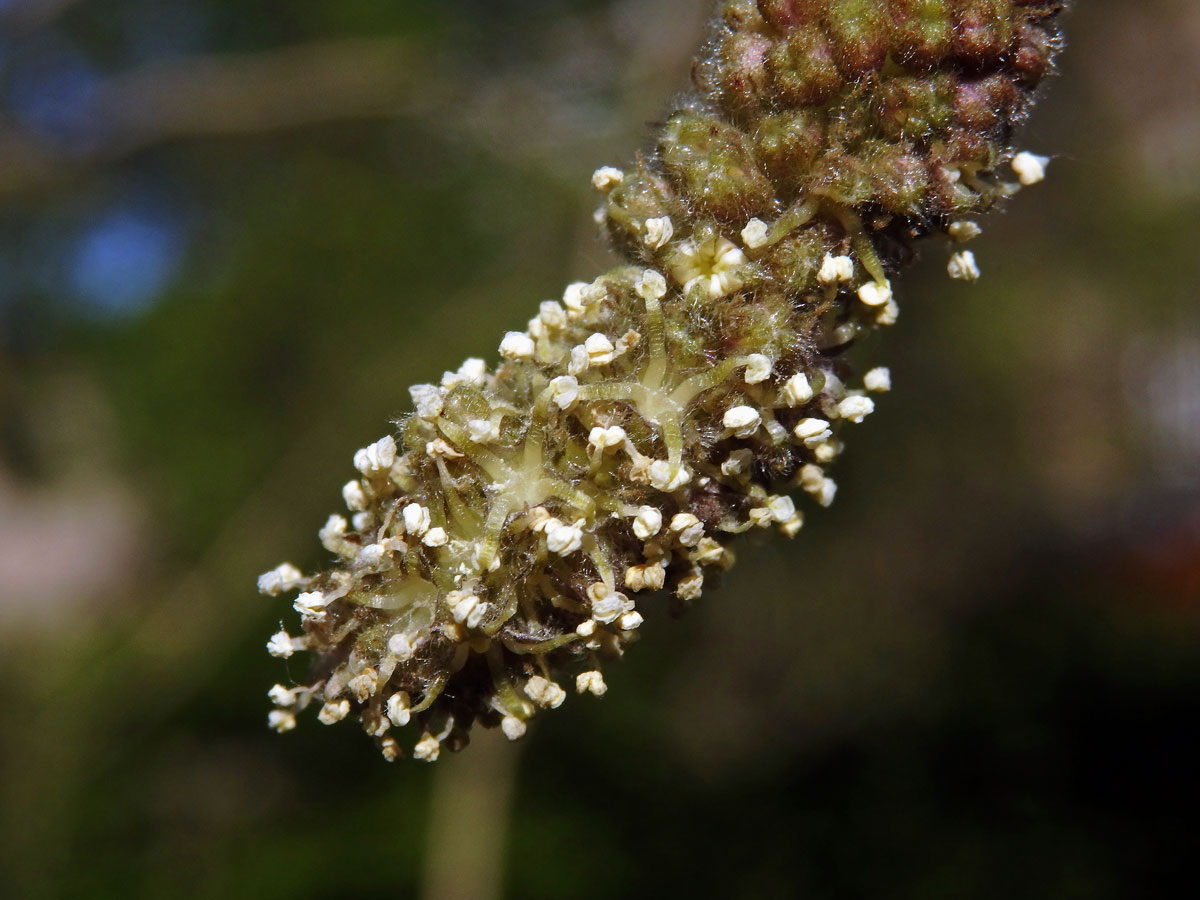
x=709, y=160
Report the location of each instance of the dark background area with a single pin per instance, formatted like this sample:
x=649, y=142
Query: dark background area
x=232, y=234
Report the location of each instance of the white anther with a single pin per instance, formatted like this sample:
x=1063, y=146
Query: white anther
x=963, y=267
x=416, y=518
x=537, y=329
x=475, y=619
x=539, y=518
x=354, y=496
x=435, y=537
x=390, y=748
x=797, y=390
x=552, y=315
x=781, y=508
x=826, y=452
x=647, y=523
x=607, y=604
x=601, y=439
x=282, y=578
x=856, y=407
x=665, y=476
x=377, y=457
x=513, y=728
x=599, y=349
x=812, y=431
x=428, y=748
x=517, y=345
x=792, y=526
x=630, y=621
x=443, y=448
x=591, y=683
x=281, y=696
x=688, y=527
x=401, y=647
x=573, y=297
x=889, y=314
x=398, y=708
x=579, y=360
x=755, y=234
x=282, y=645
x=737, y=463
x=586, y=628
x=690, y=586
x=483, y=431
x=758, y=368
x=648, y=577
x=544, y=692
x=875, y=293
x=472, y=371
x=658, y=232
x=281, y=720
x=333, y=711
x=564, y=539
x=964, y=230
x=564, y=391
x=1030, y=168
x=427, y=399
x=834, y=269
x=743, y=421
x=581, y=294
x=878, y=379
x=311, y=605
x=813, y=480
x=364, y=684
x=333, y=532
x=462, y=605
x=606, y=178
x=708, y=552
x=651, y=285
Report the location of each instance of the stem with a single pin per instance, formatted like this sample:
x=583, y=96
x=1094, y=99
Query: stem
x=469, y=819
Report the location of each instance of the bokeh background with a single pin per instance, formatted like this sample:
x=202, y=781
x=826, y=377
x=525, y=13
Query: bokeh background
x=232, y=233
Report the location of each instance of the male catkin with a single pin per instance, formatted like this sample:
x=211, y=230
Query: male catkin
x=501, y=540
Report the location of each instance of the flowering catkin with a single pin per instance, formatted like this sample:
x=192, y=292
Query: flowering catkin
x=501, y=540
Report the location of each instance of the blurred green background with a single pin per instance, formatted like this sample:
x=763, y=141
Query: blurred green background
x=231, y=234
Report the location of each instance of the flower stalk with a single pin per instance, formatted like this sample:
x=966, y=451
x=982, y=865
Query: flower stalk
x=504, y=540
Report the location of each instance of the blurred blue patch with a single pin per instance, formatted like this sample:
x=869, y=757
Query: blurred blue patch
x=53, y=91
x=122, y=263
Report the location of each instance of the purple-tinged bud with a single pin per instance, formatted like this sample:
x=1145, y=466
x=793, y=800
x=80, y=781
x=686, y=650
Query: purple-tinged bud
x=860, y=36
x=982, y=31
x=787, y=14
x=804, y=70
x=922, y=32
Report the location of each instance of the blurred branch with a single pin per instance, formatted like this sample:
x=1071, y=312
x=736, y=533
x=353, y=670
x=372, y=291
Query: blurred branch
x=229, y=95
x=295, y=86
x=20, y=16
x=525, y=114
